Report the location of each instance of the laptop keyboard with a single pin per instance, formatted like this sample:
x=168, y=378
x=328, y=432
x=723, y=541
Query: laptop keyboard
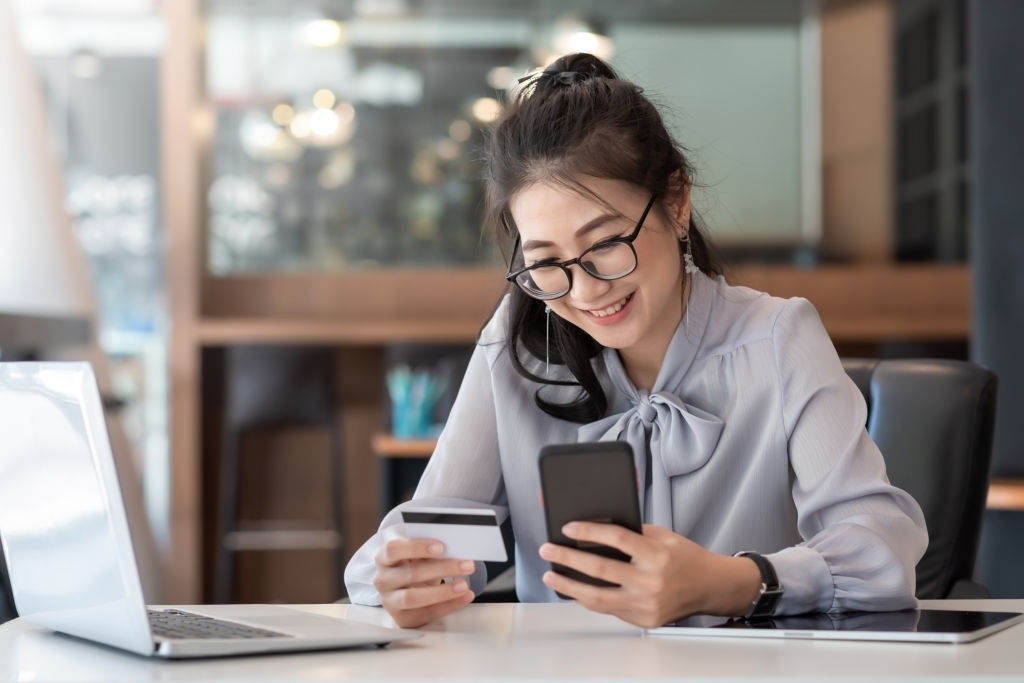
x=178, y=625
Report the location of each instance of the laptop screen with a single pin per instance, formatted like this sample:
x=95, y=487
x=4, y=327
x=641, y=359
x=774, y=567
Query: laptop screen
x=65, y=535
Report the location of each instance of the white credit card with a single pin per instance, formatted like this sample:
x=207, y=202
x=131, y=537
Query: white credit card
x=467, y=533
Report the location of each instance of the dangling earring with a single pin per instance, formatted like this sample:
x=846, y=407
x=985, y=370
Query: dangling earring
x=547, y=339
x=688, y=265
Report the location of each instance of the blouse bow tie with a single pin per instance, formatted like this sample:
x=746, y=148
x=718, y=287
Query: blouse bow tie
x=682, y=436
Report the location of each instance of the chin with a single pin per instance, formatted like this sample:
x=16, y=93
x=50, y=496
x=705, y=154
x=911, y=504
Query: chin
x=612, y=339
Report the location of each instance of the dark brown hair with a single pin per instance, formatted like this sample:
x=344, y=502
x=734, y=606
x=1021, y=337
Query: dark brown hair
x=577, y=118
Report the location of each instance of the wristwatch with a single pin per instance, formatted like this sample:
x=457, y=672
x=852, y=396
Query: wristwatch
x=771, y=590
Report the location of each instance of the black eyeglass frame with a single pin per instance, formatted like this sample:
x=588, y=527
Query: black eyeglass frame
x=564, y=265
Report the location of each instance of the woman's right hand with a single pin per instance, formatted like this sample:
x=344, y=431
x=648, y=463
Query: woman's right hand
x=410, y=580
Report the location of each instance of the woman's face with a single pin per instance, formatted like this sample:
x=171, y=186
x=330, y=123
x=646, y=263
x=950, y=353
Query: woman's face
x=637, y=314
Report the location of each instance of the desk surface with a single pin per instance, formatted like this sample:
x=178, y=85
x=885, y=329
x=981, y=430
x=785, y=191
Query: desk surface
x=537, y=642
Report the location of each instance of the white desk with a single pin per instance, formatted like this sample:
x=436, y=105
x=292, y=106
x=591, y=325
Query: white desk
x=504, y=642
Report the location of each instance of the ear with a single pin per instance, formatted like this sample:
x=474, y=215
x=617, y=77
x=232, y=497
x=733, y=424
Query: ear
x=678, y=201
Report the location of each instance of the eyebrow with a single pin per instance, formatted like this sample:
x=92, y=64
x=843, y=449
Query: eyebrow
x=589, y=226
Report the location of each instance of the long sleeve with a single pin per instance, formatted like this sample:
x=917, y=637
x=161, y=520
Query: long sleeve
x=464, y=471
x=863, y=537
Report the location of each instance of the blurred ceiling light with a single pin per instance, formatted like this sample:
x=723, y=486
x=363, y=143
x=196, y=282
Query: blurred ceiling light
x=460, y=130
x=486, y=109
x=282, y=114
x=323, y=32
x=324, y=99
x=324, y=127
x=577, y=35
x=501, y=77
x=300, y=126
x=263, y=139
x=323, y=122
x=346, y=113
x=448, y=149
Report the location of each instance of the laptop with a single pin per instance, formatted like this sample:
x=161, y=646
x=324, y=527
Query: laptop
x=69, y=554
x=921, y=625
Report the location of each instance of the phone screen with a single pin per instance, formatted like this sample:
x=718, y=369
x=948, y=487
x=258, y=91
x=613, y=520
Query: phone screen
x=589, y=482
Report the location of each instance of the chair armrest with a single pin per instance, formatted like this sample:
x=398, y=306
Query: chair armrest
x=967, y=589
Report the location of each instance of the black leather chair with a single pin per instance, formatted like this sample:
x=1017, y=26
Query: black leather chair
x=934, y=421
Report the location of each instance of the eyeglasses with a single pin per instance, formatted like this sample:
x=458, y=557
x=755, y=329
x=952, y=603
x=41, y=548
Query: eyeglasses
x=609, y=259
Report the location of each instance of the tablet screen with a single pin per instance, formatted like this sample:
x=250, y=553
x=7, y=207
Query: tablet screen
x=909, y=625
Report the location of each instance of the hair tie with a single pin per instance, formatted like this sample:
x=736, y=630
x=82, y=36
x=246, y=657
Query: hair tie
x=567, y=77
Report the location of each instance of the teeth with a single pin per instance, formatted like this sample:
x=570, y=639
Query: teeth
x=611, y=310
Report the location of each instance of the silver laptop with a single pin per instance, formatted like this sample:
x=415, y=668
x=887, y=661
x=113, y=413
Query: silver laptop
x=66, y=541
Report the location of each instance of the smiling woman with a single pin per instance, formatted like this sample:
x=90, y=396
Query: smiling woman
x=748, y=436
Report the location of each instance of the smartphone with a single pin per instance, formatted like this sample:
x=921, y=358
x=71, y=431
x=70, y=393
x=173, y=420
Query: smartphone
x=588, y=482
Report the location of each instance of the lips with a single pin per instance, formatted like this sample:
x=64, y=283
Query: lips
x=610, y=310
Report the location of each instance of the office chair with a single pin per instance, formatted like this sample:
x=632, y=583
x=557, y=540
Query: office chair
x=269, y=388
x=934, y=422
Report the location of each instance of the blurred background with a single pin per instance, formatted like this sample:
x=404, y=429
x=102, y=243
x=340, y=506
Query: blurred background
x=305, y=174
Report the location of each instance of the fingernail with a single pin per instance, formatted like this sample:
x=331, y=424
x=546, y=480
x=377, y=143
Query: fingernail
x=435, y=548
x=546, y=551
x=548, y=580
x=570, y=529
x=467, y=566
x=460, y=587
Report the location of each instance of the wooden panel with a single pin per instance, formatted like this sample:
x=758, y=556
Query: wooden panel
x=180, y=69
x=856, y=303
x=872, y=303
x=856, y=129
x=380, y=296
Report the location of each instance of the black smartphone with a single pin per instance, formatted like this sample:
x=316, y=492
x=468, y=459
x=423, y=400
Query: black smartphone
x=588, y=482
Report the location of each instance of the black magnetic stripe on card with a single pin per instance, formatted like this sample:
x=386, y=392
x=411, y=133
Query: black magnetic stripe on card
x=448, y=518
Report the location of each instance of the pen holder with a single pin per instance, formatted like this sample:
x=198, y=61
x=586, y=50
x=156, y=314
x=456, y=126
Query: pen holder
x=413, y=394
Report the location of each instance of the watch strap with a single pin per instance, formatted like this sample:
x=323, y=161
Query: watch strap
x=771, y=590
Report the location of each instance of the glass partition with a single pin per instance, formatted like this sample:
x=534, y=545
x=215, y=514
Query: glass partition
x=348, y=133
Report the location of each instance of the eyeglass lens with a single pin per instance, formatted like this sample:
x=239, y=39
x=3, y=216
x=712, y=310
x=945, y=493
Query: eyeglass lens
x=603, y=261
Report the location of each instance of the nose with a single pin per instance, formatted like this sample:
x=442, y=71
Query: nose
x=585, y=287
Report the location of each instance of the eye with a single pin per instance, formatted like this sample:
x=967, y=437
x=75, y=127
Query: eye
x=603, y=246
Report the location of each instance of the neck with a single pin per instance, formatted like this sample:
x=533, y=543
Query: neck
x=642, y=362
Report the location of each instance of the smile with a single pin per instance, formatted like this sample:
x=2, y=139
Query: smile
x=610, y=310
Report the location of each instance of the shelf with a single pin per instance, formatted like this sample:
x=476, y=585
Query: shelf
x=1006, y=494
x=225, y=331
x=864, y=303
x=388, y=446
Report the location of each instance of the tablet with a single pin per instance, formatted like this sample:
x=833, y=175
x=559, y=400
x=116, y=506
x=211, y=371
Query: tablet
x=925, y=625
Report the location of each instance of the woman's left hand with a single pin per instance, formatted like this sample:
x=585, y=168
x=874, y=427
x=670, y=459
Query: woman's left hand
x=669, y=576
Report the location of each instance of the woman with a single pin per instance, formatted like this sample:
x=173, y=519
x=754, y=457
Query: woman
x=747, y=433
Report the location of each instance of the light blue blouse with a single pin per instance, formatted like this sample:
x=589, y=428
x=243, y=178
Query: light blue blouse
x=752, y=438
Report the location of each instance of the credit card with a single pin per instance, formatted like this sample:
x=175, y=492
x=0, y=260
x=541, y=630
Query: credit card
x=467, y=533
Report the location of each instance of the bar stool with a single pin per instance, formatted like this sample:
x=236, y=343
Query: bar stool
x=273, y=388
